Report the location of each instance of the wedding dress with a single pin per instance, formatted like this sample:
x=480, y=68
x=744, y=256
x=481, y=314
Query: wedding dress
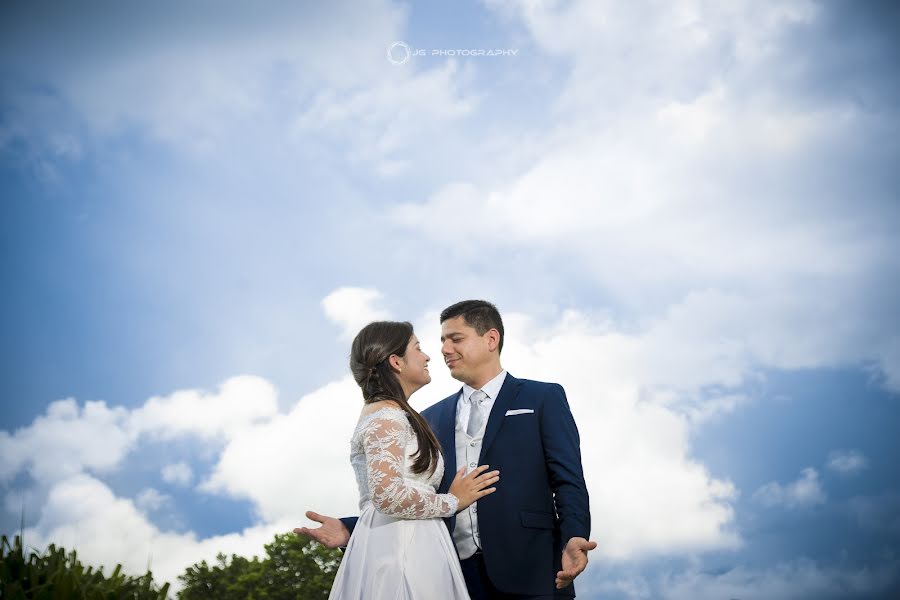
x=400, y=548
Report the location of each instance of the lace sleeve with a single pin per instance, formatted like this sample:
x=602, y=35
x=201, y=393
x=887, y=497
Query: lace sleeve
x=384, y=439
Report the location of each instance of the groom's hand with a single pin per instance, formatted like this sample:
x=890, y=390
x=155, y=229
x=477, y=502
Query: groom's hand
x=332, y=533
x=574, y=560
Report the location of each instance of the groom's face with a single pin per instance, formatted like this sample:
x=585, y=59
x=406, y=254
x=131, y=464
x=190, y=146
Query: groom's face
x=465, y=352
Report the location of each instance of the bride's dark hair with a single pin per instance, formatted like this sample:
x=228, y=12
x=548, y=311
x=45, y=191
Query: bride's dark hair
x=372, y=346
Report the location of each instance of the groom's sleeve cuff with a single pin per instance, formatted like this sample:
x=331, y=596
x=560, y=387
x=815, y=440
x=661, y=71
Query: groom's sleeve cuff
x=350, y=524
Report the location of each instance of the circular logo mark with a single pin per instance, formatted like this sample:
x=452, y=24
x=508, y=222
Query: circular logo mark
x=398, y=53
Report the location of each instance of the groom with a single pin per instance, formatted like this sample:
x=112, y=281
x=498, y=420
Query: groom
x=531, y=535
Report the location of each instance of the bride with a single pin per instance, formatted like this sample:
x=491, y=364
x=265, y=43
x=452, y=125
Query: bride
x=400, y=547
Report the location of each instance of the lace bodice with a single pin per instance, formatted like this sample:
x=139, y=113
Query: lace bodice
x=381, y=453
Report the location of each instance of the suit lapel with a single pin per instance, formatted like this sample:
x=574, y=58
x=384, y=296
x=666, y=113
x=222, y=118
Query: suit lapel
x=446, y=435
x=508, y=392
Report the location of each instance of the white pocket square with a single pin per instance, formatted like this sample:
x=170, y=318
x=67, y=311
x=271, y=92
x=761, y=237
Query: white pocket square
x=519, y=411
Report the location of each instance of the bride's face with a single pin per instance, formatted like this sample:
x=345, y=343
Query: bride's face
x=414, y=372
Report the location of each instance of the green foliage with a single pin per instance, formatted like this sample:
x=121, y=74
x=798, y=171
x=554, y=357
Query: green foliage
x=57, y=575
x=295, y=567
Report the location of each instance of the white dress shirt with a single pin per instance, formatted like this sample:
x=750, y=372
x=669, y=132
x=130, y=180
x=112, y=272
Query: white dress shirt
x=468, y=449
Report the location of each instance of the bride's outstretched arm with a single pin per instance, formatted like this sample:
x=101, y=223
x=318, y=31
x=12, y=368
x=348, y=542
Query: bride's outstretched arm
x=385, y=439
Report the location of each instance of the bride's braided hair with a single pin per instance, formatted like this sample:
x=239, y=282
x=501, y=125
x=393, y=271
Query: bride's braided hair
x=369, y=354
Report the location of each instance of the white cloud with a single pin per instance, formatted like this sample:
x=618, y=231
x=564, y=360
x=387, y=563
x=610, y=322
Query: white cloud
x=806, y=491
x=70, y=439
x=298, y=461
x=847, y=461
x=713, y=199
x=288, y=79
x=800, y=579
x=151, y=500
x=82, y=513
x=179, y=473
x=352, y=308
x=240, y=402
x=78, y=511
x=666, y=41
x=630, y=586
x=227, y=58
x=67, y=439
x=379, y=124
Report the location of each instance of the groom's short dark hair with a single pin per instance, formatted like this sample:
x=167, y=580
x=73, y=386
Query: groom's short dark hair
x=480, y=315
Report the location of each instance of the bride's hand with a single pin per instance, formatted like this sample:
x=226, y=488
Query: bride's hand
x=473, y=486
x=332, y=533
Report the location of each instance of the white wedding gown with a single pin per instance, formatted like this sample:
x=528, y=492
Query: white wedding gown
x=400, y=547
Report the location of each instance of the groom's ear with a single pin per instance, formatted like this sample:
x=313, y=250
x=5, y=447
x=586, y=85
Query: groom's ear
x=493, y=339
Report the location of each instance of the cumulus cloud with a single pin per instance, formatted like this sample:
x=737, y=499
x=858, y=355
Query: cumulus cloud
x=677, y=199
x=371, y=126
x=240, y=402
x=801, y=579
x=351, y=308
x=67, y=439
x=179, y=473
x=78, y=510
x=82, y=513
x=305, y=454
x=806, y=491
x=742, y=278
x=70, y=439
x=847, y=461
x=618, y=585
x=232, y=40
x=151, y=499
x=309, y=76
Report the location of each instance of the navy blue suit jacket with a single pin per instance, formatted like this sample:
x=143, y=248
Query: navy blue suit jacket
x=541, y=499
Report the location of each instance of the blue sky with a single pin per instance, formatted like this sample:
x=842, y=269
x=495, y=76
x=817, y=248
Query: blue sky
x=686, y=212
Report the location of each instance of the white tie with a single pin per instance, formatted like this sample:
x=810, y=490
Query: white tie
x=476, y=412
